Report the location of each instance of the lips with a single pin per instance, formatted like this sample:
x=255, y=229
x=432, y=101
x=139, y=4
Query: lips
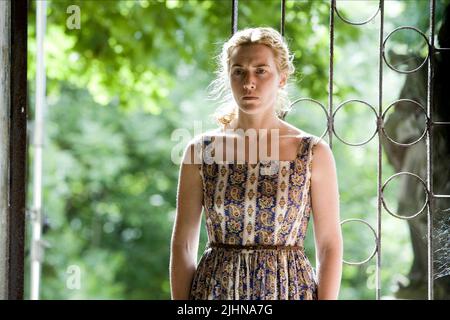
x=249, y=98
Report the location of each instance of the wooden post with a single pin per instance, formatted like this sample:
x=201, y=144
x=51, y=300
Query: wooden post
x=5, y=34
x=13, y=111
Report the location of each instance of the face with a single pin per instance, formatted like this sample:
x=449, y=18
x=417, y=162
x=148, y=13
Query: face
x=254, y=78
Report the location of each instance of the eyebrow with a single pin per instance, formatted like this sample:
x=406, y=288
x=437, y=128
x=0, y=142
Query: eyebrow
x=257, y=66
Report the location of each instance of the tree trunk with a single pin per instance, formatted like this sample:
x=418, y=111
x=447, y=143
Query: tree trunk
x=404, y=125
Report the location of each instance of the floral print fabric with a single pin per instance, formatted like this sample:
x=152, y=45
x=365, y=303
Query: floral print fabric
x=253, y=204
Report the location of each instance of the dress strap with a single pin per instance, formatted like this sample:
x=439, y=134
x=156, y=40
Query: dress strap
x=203, y=150
x=314, y=141
x=301, y=146
x=307, y=143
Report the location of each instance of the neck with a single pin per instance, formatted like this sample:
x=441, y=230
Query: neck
x=255, y=121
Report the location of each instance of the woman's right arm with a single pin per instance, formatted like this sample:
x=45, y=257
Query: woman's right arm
x=186, y=230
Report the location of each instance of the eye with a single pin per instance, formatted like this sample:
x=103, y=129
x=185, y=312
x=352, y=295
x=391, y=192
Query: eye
x=237, y=71
x=261, y=71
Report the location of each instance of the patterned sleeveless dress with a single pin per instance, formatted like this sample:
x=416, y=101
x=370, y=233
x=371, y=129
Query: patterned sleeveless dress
x=256, y=219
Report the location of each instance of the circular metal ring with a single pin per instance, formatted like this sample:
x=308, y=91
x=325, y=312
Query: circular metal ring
x=396, y=142
x=356, y=23
x=321, y=105
x=340, y=106
x=395, y=214
x=376, y=242
x=398, y=29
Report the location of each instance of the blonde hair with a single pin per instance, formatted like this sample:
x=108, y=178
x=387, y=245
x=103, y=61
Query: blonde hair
x=219, y=89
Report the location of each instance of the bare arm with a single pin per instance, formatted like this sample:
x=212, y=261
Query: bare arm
x=186, y=230
x=327, y=230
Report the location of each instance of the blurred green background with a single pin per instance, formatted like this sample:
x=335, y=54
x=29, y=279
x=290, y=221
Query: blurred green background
x=136, y=71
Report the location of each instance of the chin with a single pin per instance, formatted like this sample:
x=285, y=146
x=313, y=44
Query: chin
x=252, y=109
x=249, y=109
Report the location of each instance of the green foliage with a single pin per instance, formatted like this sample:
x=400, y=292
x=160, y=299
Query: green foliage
x=117, y=90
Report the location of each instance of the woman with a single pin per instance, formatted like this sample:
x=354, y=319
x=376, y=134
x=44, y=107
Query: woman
x=257, y=209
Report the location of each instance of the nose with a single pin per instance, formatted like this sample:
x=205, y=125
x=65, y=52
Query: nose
x=249, y=86
x=249, y=83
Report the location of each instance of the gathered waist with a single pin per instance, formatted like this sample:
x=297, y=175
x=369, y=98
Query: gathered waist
x=229, y=246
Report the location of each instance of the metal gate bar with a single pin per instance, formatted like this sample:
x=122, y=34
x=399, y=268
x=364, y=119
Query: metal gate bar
x=380, y=114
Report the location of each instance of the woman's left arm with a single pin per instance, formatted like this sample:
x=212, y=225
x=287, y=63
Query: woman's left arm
x=327, y=229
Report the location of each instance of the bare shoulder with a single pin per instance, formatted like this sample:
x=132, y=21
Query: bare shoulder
x=294, y=134
x=322, y=155
x=290, y=130
x=192, y=151
x=323, y=162
x=194, y=148
x=209, y=135
x=320, y=148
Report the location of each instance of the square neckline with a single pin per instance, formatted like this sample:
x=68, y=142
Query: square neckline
x=235, y=162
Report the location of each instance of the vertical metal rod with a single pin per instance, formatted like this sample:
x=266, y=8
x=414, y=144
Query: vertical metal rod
x=429, y=145
x=234, y=17
x=36, y=242
x=283, y=16
x=380, y=154
x=330, y=77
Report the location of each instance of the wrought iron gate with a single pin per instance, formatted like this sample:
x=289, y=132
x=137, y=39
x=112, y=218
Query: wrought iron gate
x=380, y=113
